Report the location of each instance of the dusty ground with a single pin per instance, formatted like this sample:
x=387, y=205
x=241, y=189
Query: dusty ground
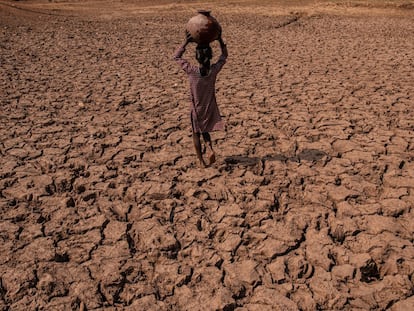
x=310, y=205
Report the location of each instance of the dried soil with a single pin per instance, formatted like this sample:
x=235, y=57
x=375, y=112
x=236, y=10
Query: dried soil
x=310, y=204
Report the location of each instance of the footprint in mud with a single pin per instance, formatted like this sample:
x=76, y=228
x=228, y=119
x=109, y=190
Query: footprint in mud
x=299, y=268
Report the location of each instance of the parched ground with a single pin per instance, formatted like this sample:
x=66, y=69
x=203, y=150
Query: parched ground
x=310, y=205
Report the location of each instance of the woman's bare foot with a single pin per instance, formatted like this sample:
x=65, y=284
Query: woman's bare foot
x=202, y=164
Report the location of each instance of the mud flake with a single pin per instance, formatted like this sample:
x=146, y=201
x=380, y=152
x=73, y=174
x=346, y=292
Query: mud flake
x=277, y=270
x=267, y=298
x=394, y=207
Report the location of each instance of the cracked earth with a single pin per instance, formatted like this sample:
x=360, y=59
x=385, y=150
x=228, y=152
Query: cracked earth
x=310, y=204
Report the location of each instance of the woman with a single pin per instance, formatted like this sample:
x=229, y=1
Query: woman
x=205, y=115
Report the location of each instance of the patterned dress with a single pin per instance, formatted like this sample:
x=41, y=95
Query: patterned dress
x=205, y=115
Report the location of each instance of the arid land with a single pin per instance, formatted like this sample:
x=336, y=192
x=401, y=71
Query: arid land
x=310, y=205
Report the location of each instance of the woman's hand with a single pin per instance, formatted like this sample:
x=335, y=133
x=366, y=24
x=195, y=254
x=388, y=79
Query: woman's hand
x=222, y=45
x=188, y=37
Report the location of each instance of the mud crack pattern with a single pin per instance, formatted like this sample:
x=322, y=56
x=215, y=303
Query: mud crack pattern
x=309, y=206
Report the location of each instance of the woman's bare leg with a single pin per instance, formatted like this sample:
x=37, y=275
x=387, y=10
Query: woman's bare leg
x=212, y=154
x=197, y=146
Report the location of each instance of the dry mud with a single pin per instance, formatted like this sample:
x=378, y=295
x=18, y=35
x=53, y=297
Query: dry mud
x=309, y=206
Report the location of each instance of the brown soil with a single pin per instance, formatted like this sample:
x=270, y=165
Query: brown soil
x=310, y=204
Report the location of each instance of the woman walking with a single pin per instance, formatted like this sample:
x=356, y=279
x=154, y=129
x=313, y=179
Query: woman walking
x=205, y=115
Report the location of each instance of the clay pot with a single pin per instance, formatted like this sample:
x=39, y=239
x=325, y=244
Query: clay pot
x=203, y=28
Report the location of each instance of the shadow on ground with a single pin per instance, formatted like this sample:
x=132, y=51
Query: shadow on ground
x=311, y=155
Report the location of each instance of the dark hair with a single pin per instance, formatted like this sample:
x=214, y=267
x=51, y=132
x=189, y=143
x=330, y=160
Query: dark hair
x=204, y=54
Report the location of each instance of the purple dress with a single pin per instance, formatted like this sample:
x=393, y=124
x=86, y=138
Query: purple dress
x=205, y=115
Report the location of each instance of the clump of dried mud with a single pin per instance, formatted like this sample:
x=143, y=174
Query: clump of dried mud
x=309, y=206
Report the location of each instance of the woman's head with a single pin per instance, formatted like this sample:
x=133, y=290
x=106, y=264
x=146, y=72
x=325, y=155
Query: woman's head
x=204, y=54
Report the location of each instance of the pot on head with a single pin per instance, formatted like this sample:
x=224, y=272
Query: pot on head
x=203, y=28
